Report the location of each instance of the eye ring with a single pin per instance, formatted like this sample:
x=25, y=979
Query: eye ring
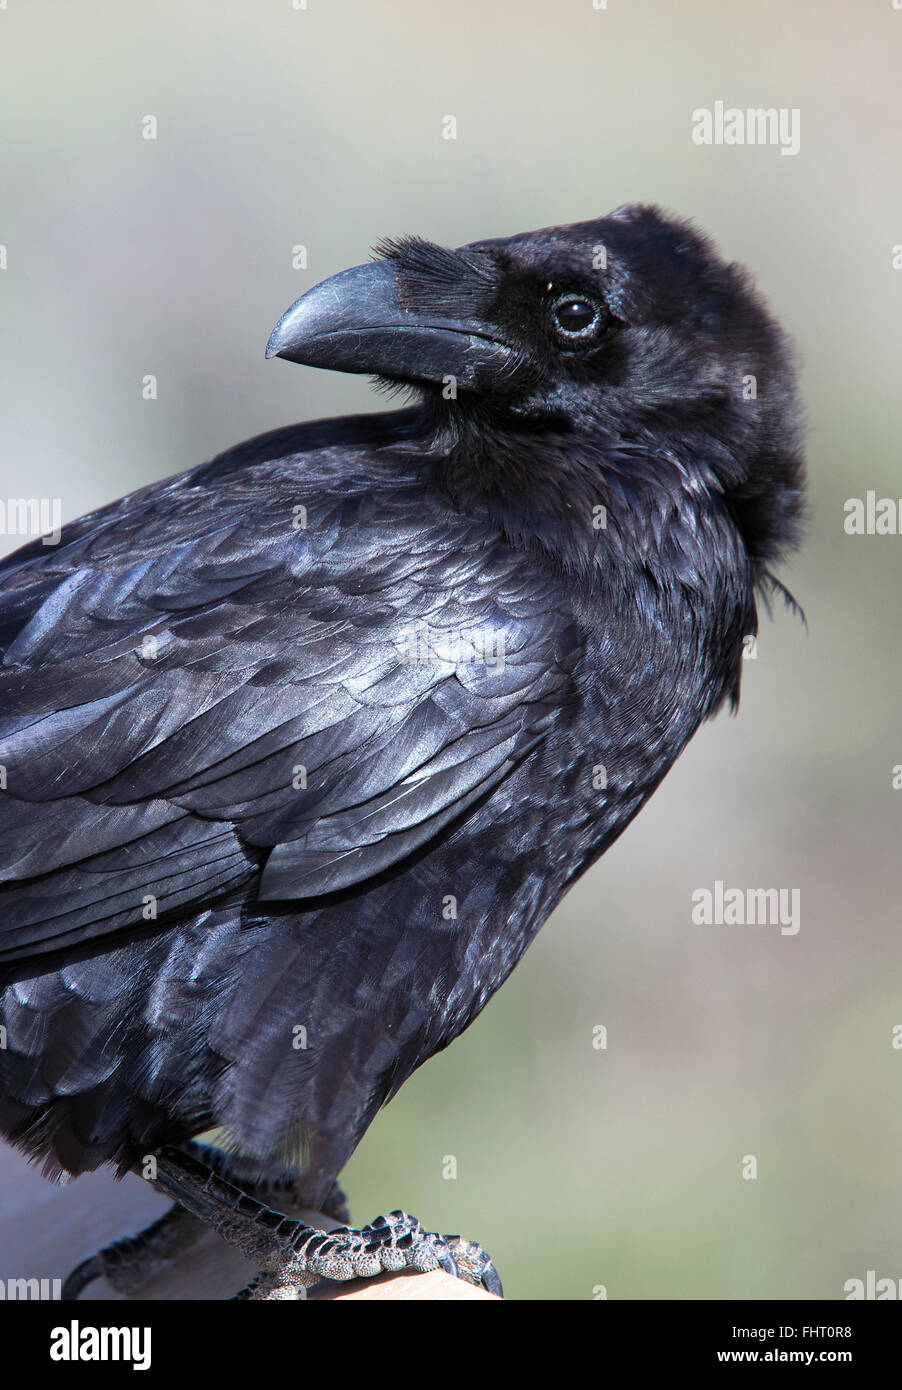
x=576, y=317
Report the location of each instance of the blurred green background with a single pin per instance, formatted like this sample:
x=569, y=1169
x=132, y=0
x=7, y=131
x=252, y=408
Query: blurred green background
x=322, y=126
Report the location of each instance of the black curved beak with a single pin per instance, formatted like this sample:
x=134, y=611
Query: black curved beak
x=353, y=323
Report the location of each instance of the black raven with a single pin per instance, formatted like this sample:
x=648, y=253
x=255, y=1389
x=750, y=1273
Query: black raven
x=301, y=747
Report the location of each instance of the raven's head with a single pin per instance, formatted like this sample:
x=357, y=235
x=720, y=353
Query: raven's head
x=625, y=330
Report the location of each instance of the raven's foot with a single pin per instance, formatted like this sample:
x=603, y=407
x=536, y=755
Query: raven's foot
x=293, y=1256
x=131, y=1262
x=128, y=1264
x=390, y=1244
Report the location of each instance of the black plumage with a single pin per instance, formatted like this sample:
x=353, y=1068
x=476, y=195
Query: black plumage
x=252, y=755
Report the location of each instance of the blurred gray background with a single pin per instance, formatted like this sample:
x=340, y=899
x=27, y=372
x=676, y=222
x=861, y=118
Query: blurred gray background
x=322, y=126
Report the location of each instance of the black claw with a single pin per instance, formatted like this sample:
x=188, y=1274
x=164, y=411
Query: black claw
x=80, y=1277
x=476, y=1266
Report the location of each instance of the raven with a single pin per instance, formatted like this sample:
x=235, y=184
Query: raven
x=302, y=746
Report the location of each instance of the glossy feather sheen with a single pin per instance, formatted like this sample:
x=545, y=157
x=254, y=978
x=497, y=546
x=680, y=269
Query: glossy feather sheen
x=174, y=661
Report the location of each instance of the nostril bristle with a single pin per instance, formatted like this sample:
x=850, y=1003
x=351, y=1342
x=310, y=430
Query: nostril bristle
x=436, y=278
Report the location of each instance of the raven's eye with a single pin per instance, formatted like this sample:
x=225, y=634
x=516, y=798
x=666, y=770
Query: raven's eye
x=577, y=318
